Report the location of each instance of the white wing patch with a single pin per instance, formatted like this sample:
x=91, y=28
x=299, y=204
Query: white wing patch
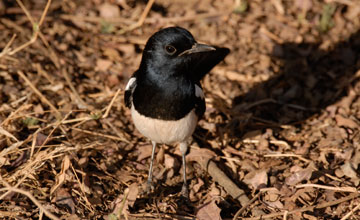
x=198, y=92
x=131, y=83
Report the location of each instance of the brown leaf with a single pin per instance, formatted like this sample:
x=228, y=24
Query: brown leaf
x=304, y=5
x=112, y=80
x=276, y=204
x=214, y=190
x=127, y=49
x=133, y=193
x=355, y=160
x=171, y=162
x=257, y=179
x=61, y=177
x=209, y=211
x=40, y=139
x=64, y=199
x=111, y=53
x=197, y=186
x=348, y=170
x=125, y=176
x=346, y=122
x=160, y=155
x=344, y=154
x=109, y=10
x=144, y=152
x=103, y=65
x=196, y=154
x=299, y=176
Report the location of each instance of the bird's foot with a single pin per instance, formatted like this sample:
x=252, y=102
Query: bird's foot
x=185, y=191
x=149, y=187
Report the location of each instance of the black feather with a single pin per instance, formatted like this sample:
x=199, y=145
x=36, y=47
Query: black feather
x=128, y=98
x=165, y=82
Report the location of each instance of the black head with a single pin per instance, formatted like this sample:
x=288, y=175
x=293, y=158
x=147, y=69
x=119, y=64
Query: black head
x=174, y=51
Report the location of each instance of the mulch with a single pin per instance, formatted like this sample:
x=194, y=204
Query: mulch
x=280, y=138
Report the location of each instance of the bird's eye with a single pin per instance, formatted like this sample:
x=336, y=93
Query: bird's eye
x=170, y=49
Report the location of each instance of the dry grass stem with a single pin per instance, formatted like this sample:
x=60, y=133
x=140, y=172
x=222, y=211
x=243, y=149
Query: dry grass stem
x=80, y=103
x=141, y=20
x=41, y=96
x=111, y=104
x=101, y=135
x=351, y=213
x=288, y=155
x=341, y=189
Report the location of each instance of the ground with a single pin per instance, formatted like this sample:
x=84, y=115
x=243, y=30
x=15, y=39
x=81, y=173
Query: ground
x=280, y=138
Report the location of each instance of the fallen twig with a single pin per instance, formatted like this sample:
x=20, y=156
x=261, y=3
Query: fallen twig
x=238, y=213
x=230, y=187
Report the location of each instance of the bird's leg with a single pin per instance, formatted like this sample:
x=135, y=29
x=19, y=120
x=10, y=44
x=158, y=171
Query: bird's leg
x=184, y=189
x=150, y=185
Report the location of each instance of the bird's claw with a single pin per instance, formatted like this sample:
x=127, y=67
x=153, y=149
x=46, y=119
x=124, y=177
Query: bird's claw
x=149, y=187
x=185, y=191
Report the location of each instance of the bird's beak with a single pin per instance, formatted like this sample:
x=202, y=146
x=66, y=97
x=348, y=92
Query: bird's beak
x=197, y=48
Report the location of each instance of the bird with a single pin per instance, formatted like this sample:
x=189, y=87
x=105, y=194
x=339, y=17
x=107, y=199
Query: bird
x=165, y=95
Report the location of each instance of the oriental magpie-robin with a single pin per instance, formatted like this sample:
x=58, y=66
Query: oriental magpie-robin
x=165, y=95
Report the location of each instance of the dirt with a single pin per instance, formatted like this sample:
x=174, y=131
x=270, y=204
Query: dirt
x=280, y=138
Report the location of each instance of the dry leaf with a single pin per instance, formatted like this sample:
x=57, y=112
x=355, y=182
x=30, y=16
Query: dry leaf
x=125, y=176
x=304, y=5
x=348, y=170
x=276, y=204
x=209, y=211
x=133, y=193
x=103, y=65
x=144, y=152
x=197, y=186
x=171, y=162
x=346, y=122
x=40, y=139
x=299, y=176
x=196, y=154
x=109, y=10
x=63, y=198
x=112, y=54
x=257, y=179
x=61, y=177
x=160, y=155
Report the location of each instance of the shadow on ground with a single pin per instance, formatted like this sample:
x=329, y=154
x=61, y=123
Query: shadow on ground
x=310, y=79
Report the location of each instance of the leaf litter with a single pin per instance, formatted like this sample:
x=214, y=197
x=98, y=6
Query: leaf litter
x=280, y=137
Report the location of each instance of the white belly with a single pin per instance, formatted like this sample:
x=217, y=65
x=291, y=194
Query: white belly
x=166, y=132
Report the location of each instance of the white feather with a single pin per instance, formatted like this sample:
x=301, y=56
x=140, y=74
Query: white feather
x=131, y=83
x=166, y=132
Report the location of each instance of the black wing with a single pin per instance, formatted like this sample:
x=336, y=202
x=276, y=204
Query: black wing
x=129, y=89
x=199, y=101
